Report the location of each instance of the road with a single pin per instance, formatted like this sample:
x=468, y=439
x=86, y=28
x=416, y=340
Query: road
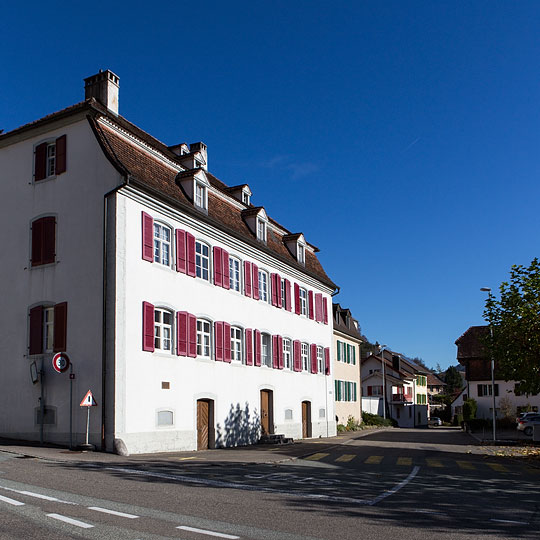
x=391, y=484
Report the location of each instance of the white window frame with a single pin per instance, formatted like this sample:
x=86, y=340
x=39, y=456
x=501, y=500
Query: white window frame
x=204, y=338
x=261, y=230
x=245, y=198
x=301, y=253
x=162, y=329
x=283, y=293
x=263, y=286
x=266, y=350
x=303, y=302
x=48, y=329
x=235, y=274
x=304, y=356
x=237, y=344
x=200, y=197
x=320, y=359
x=287, y=354
x=161, y=245
x=50, y=163
x=200, y=268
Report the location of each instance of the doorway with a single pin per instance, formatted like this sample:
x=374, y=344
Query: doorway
x=267, y=412
x=205, y=424
x=306, y=419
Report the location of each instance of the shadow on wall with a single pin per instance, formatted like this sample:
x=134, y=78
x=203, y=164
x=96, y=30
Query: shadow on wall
x=241, y=427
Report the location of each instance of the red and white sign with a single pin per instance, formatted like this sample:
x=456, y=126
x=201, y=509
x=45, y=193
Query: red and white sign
x=88, y=400
x=60, y=362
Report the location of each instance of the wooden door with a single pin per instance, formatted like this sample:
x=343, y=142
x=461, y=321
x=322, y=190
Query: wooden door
x=306, y=419
x=267, y=422
x=203, y=424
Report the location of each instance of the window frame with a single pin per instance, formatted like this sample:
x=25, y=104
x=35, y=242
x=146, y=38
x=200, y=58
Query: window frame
x=287, y=354
x=266, y=359
x=266, y=289
x=235, y=341
x=163, y=326
x=320, y=359
x=301, y=253
x=304, y=358
x=303, y=301
x=200, y=257
x=232, y=261
x=48, y=328
x=161, y=242
x=262, y=229
x=200, y=334
x=203, y=199
x=50, y=160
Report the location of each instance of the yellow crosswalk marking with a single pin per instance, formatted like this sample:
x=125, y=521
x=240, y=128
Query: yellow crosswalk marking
x=373, y=460
x=317, y=456
x=465, y=465
x=404, y=461
x=346, y=457
x=497, y=467
x=434, y=463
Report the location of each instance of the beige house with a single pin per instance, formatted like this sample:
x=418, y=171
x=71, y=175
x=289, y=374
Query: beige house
x=347, y=383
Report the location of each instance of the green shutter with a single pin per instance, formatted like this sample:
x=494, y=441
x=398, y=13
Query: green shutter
x=339, y=351
x=336, y=390
x=354, y=391
x=354, y=356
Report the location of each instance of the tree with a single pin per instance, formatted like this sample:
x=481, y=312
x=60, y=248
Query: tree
x=515, y=320
x=453, y=379
x=469, y=409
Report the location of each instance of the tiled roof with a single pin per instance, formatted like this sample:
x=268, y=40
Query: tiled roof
x=340, y=319
x=433, y=380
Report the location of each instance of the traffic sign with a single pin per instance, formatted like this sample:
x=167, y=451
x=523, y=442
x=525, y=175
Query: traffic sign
x=88, y=400
x=60, y=362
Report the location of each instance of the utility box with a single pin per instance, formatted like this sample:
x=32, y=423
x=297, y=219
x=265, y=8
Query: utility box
x=536, y=432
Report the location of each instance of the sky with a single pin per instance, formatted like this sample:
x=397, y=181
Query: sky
x=402, y=138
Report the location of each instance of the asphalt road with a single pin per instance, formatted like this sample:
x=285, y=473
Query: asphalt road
x=401, y=483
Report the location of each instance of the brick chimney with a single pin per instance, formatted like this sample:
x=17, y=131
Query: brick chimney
x=104, y=87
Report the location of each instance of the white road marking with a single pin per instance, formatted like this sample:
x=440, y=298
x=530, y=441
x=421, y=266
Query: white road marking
x=37, y=495
x=71, y=521
x=209, y=533
x=509, y=521
x=113, y=512
x=395, y=489
x=11, y=501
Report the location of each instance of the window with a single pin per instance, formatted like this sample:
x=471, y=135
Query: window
x=43, y=231
x=162, y=244
x=165, y=418
x=322, y=413
x=320, y=359
x=203, y=338
x=50, y=159
x=163, y=330
x=486, y=390
x=421, y=380
x=245, y=197
x=305, y=357
x=202, y=260
x=287, y=358
x=263, y=286
x=234, y=274
x=283, y=297
x=200, y=196
x=236, y=344
x=303, y=302
x=301, y=254
x=288, y=414
x=48, y=329
x=261, y=230
x=266, y=350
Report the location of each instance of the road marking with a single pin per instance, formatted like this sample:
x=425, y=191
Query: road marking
x=37, y=495
x=71, y=521
x=317, y=456
x=434, y=463
x=373, y=460
x=497, y=467
x=209, y=533
x=395, y=489
x=465, y=465
x=113, y=512
x=11, y=501
x=404, y=461
x=509, y=521
x=186, y=458
x=345, y=458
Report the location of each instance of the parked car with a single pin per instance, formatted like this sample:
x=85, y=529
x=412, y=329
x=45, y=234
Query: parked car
x=526, y=423
x=524, y=415
x=435, y=421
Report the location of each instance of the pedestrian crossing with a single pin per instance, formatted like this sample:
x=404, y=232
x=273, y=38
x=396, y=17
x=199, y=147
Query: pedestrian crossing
x=406, y=461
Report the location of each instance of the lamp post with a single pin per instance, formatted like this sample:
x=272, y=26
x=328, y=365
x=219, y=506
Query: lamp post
x=488, y=290
x=383, y=347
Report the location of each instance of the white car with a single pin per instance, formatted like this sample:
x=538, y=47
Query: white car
x=435, y=421
x=526, y=423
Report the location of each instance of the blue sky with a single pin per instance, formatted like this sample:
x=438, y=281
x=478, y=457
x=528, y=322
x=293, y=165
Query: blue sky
x=401, y=137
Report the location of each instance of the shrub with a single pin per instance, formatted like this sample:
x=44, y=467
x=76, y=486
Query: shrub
x=469, y=409
x=369, y=419
x=352, y=424
x=341, y=428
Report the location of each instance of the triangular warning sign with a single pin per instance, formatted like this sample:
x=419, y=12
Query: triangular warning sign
x=88, y=400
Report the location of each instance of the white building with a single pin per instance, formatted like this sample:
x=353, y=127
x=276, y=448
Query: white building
x=195, y=319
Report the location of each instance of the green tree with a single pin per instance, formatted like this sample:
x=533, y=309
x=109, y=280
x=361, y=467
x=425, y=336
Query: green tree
x=453, y=379
x=469, y=409
x=515, y=320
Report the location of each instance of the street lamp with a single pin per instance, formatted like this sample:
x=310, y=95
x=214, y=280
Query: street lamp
x=488, y=290
x=381, y=352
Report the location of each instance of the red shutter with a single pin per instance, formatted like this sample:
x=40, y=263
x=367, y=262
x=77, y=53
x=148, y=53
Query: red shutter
x=147, y=237
x=226, y=342
x=247, y=279
x=49, y=240
x=311, y=311
x=318, y=307
x=297, y=299
x=148, y=327
x=279, y=300
x=218, y=267
x=226, y=275
x=257, y=348
x=36, y=330
x=181, y=251
x=274, y=290
x=249, y=347
x=182, y=333
x=60, y=327
x=314, y=367
x=275, y=355
x=255, y=280
x=280, y=352
x=370, y=390
x=218, y=326
x=327, y=361
x=60, y=165
x=37, y=242
x=297, y=357
x=325, y=310
x=287, y=299
x=40, y=162
x=190, y=251
x=192, y=336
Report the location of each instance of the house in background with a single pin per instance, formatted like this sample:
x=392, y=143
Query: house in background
x=195, y=318
x=472, y=354
x=347, y=382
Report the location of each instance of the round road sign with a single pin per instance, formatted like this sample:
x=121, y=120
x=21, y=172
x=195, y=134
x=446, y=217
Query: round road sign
x=60, y=362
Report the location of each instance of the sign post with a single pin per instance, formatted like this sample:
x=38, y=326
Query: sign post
x=88, y=401
x=60, y=364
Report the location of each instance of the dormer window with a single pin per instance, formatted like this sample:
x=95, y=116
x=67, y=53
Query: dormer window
x=261, y=230
x=245, y=197
x=201, y=196
x=301, y=251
